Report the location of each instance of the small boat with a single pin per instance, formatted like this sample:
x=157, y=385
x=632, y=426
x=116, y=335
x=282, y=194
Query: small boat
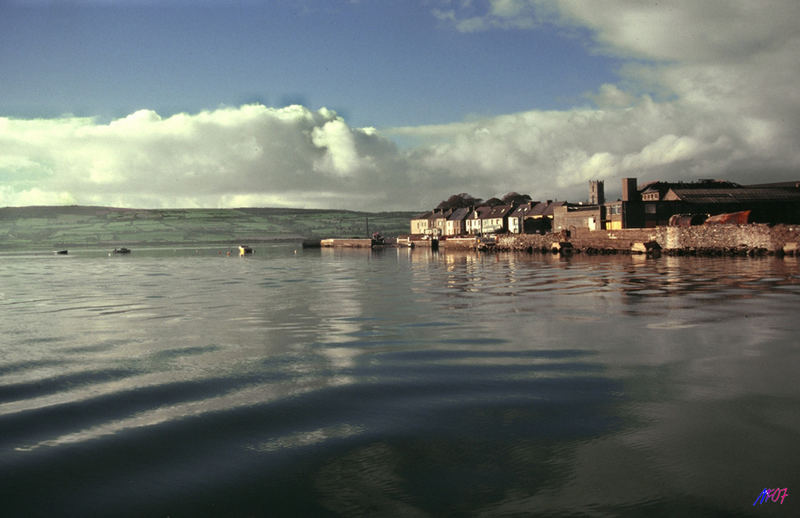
x=122, y=250
x=730, y=218
x=245, y=250
x=686, y=220
x=61, y=252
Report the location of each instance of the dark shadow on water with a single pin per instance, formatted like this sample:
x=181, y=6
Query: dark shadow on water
x=435, y=444
x=42, y=386
x=10, y=368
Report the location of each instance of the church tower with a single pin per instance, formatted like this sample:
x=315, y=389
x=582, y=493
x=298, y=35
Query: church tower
x=596, y=194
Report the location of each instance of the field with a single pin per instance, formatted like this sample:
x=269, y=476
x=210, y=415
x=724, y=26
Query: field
x=79, y=226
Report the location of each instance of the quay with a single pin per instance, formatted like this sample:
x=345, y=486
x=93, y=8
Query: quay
x=716, y=240
x=346, y=243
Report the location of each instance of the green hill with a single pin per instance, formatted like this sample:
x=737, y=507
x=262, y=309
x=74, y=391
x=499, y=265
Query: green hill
x=65, y=227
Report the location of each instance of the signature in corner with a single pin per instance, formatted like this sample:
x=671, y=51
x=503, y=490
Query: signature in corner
x=772, y=494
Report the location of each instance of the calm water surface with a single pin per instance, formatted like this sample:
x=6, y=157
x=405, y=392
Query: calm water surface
x=183, y=382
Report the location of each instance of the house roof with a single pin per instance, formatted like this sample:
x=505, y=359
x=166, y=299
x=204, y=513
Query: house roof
x=439, y=214
x=662, y=188
x=778, y=185
x=499, y=211
x=526, y=209
x=479, y=212
x=459, y=214
x=736, y=195
x=546, y=208
x=579, y=207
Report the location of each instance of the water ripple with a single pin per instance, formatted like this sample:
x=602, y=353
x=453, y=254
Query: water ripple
x=398, y=382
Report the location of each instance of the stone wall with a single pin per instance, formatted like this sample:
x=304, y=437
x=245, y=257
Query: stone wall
x=698, y=239
x=526, y=242
x=616, y=239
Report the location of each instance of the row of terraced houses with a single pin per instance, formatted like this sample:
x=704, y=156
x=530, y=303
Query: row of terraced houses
x=649, y=205
x=529, y=217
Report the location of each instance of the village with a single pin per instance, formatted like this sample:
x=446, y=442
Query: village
x=646, y=218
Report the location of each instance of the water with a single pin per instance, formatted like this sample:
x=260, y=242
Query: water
x=182, y=382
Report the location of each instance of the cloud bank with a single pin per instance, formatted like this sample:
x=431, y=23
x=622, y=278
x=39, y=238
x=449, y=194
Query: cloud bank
x=245, y=156
x=710, y=91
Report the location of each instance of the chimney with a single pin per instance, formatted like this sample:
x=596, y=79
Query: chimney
x=629, y=190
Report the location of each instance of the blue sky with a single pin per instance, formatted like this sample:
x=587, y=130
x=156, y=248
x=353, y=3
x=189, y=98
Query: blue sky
x=379, y=63
x=377, y=104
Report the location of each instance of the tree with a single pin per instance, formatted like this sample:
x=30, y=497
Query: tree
x=494, y=202
x=457, y=201
x=514, y=198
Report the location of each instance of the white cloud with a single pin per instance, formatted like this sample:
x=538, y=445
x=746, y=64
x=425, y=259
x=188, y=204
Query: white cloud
x=255, y=155
x=249, y=155
x=499, y=14
x=36, y=196
x=688, y=31
x=611, y=96
x=725, y=101
x=507, y=8
x=542, y=152
x=338, y=142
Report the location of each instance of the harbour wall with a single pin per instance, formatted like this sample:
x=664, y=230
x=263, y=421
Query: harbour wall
x=753, y=239
x=346, y=243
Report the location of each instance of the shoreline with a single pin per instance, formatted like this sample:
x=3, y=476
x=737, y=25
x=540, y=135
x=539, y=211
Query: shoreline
x=703, y=240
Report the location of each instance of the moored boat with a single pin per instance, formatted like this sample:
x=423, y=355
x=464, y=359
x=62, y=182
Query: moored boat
x=730, y=218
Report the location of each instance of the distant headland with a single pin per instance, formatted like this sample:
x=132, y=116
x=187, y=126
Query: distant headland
x=61, y=227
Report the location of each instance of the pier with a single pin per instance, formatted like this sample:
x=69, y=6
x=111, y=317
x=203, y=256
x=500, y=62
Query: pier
x=733, y=240
x=346, y=243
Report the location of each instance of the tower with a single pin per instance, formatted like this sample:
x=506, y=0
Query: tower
x=629, y=190
x=596, y=193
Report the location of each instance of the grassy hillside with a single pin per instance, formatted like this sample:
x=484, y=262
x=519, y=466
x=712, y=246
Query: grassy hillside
x=64, y=227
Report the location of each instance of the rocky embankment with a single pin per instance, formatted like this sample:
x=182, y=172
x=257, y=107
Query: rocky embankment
x=733, y=240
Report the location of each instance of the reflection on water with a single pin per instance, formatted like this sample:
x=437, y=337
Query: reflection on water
x=395, y=382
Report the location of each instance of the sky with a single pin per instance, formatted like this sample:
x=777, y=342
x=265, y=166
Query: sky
x=387, y=105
